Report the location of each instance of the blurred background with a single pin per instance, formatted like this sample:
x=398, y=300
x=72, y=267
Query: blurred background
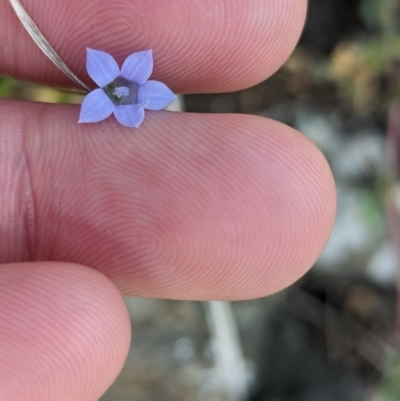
x=334, y=334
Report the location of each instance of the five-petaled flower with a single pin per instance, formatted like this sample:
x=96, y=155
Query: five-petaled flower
x=126, y=92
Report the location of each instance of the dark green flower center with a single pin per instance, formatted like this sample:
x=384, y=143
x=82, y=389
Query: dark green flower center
x=121, y=91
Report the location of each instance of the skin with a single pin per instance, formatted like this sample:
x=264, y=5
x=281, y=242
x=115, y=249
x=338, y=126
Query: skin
x=188, y=207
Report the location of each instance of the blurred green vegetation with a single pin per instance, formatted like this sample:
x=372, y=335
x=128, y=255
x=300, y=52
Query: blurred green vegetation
x=389, y=389
x=13, y=89
x=366, y=68
x=6, y=86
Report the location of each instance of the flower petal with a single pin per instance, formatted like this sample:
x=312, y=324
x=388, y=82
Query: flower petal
x=130, y=115
x=154, y=95
x=101, y=67
x=138, y=67
x=96, y=106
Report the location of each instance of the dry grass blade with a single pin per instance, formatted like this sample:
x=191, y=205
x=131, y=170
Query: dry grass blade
x=227, y=349
x=43, y=44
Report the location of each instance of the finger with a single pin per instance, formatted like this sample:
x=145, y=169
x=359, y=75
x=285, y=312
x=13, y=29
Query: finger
x=189, y=206
x=64, y=332
x=204, y=46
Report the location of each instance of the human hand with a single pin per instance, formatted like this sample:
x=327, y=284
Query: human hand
x=187, y=207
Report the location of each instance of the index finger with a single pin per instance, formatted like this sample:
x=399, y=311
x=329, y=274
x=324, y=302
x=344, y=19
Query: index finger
x=199, y=46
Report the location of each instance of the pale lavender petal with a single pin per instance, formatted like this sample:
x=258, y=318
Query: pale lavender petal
x=154, y=95
x=138, y=67
x=101, y=67
x=131, y=115
x=96, y=106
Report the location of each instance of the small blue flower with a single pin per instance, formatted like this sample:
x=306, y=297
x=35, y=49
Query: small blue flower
x=126, y=92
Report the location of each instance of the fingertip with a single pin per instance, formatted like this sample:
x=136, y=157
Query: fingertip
x=64, y=332
x=192, y=207
x=269, y=217
x=305, y=208
x=207, y=46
